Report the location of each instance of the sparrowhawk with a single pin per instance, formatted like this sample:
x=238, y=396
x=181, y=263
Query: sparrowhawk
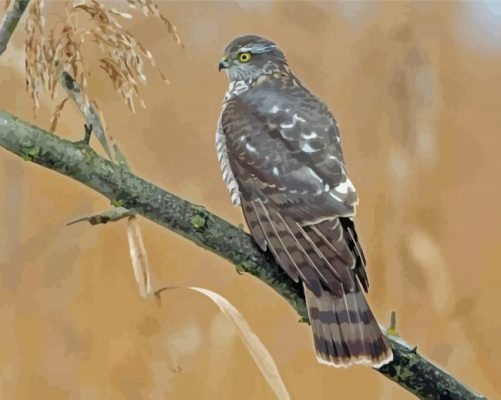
x=280, y=153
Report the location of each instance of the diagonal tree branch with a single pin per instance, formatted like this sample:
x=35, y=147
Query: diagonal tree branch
x=409, y=368
x=10, y=22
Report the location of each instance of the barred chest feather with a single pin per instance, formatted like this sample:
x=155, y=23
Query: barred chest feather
x=235, y=89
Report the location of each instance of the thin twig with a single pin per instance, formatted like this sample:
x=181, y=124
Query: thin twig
x=392, y=329
x=409, y=368
x=139, y=258
x=113, y=215
x=87, y=108
x=10, y=22
x=87, y=134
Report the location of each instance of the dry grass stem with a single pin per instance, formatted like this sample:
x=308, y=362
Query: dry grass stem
x=251, y=341
x=56, y=114
x=253, y=344
x=139, y=258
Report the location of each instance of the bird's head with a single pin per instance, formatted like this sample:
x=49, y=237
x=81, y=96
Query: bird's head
x=248, y=57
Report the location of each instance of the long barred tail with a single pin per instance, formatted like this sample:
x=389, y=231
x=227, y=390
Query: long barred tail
x=345, y=331
x=326, y=256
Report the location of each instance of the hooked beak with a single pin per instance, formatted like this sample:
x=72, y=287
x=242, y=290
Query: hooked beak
x=223, y=64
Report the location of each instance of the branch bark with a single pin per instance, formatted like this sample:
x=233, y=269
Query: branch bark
x=77, y=161
x=10, y=22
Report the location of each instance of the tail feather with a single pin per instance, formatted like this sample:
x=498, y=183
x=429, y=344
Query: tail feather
x=345, y=330
x=292, y=258
x=253, y=222
x=274, y=240
x=331, y=256
x=355, y=247
x=332, y=233
x=328, y=258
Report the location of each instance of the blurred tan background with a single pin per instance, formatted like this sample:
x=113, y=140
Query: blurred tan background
x=416, y=89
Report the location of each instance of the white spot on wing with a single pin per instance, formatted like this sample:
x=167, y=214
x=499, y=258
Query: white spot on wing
x=250, y=147
x=275, y=171
x=295, y=118
x=306, y=147
x=335, y=197
x=274, y=109
x=309, y=136
x=345, y=187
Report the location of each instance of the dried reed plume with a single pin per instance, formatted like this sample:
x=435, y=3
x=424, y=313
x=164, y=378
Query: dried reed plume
x=123, y=57
x=149, y=8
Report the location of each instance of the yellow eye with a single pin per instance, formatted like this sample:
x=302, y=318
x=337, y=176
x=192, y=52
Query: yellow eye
x=244, y=57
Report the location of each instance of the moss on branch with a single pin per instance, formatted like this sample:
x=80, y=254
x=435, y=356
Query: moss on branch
x=409, y=368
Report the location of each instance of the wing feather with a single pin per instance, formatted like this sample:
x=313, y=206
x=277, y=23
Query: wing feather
x=284, y=152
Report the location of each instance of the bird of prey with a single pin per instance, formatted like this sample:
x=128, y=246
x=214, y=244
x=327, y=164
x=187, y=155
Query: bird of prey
x=280, y=153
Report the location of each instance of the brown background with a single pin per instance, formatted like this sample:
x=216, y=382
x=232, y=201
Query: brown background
x=416, y=89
